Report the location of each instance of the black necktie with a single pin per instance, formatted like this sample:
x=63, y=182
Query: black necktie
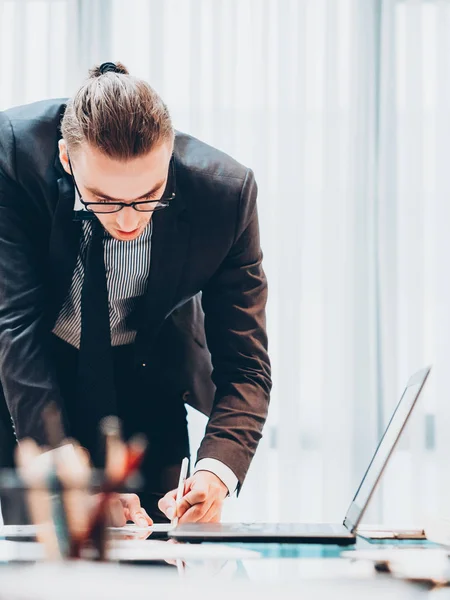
x=96, y=389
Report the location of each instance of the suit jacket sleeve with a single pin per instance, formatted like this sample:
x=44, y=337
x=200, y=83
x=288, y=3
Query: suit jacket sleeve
x=234, y=303
x=26, y=370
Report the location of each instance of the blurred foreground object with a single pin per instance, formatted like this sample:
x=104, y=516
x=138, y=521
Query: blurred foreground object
x=58, y=480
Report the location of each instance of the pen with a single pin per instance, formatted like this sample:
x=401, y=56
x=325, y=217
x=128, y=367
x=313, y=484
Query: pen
x=180, y=490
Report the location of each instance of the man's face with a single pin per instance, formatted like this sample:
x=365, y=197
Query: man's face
x=103, y=179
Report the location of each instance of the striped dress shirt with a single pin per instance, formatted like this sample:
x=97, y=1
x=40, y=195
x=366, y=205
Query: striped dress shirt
x=127, y=266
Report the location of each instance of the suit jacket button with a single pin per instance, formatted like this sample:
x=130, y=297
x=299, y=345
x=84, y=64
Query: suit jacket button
x=144, y=364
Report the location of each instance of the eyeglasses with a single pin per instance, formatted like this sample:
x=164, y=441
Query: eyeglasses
x=140, y=205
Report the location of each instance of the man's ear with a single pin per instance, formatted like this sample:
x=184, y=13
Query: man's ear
x=64, y=156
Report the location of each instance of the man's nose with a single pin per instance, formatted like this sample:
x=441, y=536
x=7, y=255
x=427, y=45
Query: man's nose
x=127, y=219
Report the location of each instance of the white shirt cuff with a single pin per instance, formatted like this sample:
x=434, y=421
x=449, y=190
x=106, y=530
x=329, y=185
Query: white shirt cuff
x=224, y=473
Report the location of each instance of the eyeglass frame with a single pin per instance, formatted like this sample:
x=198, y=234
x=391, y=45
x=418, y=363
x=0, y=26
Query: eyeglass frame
x=166, y=199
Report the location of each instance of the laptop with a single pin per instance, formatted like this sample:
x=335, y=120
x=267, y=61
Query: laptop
x=342, y=534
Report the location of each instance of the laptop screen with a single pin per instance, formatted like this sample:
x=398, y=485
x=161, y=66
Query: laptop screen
x=385, y=448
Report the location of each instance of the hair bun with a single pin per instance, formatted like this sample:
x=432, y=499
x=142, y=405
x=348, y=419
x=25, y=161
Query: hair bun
x=108, y=67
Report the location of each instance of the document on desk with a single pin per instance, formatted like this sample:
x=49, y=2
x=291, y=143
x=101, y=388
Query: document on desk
x=131, y=528
x=387, y=532
x=20, y=531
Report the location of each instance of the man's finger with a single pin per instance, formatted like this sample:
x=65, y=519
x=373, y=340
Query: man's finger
x=140, y=517
x=167, y=504
x=134, y=511
x=147, y=516
x=195, y=496
x=214, y=514
x=197, y=512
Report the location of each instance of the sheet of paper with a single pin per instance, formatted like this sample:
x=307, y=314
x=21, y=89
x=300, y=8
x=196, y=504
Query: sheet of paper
x=388, y=532
x=31, y=530
x=130, y=528
x=399, y=534
x=18, y=530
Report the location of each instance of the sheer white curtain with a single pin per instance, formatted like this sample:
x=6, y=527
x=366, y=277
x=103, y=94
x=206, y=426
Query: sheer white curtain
x=413, y=225
x=340, y=107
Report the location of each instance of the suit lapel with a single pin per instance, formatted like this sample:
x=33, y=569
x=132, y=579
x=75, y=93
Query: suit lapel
x=169, y=248
x=64, y=245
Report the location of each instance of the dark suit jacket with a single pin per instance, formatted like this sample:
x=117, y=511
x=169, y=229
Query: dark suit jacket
x=207, y=241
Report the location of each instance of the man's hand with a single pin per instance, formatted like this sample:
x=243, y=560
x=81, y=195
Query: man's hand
x=204, y=494
x=127, y=507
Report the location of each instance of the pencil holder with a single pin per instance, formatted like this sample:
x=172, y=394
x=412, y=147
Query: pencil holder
x=69, y=519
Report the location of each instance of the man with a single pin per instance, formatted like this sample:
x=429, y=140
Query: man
x=108, y=235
